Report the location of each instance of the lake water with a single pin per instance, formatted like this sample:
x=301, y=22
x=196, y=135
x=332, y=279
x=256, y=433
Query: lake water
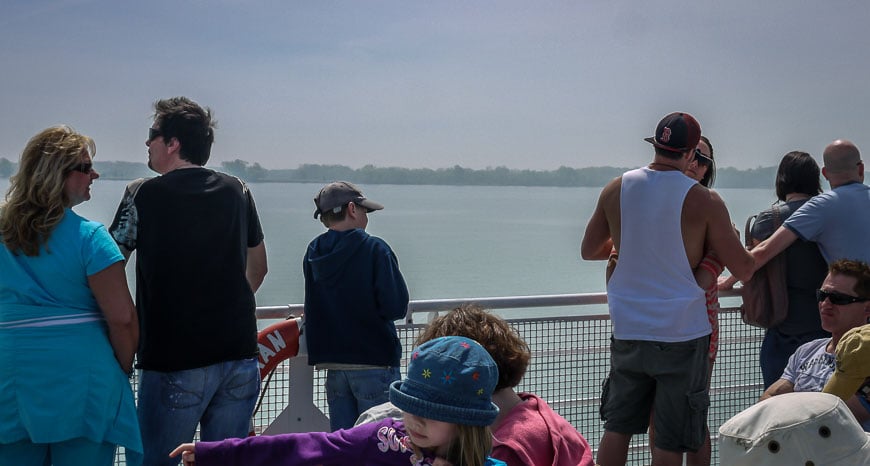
x=451, y=241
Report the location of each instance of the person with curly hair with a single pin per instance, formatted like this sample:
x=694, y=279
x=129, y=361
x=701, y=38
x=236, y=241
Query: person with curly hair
x=68, y=327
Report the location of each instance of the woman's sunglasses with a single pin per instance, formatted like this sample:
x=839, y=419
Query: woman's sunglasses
x=703, y=159
x=84, y=167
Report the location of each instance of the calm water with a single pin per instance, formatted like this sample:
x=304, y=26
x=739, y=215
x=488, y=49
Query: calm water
x=451, y=241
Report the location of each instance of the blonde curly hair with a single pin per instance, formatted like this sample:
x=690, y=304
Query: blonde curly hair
x=35, y=201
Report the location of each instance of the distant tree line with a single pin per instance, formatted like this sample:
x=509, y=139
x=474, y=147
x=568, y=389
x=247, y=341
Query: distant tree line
x=761, y=177
x=7, y=167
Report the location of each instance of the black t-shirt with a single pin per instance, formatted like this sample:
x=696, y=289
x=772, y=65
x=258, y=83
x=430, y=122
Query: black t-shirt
x=191, y=229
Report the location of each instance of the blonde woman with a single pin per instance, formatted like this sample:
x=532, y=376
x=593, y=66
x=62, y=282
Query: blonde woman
x=68, y=327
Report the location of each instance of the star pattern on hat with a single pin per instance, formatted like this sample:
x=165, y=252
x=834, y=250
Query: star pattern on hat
x=451, y=378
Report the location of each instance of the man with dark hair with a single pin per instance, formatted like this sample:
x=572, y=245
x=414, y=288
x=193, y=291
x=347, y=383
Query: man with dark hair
x=661, y=222
x=200, y=258
x=836, y=219
x=844, y=304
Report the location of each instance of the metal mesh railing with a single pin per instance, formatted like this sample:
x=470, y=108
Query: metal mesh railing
x=570, y=359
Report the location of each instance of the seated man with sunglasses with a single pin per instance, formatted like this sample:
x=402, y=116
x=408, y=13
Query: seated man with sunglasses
x=844, y=303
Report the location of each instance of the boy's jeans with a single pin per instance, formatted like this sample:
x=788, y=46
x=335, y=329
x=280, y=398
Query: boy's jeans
x=220, y=397
x=349, y=393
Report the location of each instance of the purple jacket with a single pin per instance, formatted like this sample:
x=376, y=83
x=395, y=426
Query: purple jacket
x=382, y=443
x=379, y=443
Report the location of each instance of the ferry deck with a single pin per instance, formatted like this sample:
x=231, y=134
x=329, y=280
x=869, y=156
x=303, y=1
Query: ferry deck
x=570, y=359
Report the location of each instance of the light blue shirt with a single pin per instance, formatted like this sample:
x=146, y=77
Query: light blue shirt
x=51, y=288
x=838, y=220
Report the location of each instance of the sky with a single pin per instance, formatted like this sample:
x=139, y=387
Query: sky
x=429, y=83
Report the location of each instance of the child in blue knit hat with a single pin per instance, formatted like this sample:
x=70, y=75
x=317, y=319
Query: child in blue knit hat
x=447, y=406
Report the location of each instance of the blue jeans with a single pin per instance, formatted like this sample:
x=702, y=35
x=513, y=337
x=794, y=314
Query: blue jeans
x=220, y=397
x=349, y=393
x=777, y=347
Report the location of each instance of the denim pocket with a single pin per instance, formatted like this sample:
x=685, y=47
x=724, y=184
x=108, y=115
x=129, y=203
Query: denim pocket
x=183, y=389
x=244, y=382
x=371, y=385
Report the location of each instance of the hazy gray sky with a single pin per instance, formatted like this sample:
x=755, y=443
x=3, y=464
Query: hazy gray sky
x=414, y=83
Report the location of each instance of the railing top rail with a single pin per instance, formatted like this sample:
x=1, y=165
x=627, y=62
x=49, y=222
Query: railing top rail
x=493, y=302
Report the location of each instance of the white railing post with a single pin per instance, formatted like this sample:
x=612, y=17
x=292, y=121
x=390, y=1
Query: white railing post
x=300, y=414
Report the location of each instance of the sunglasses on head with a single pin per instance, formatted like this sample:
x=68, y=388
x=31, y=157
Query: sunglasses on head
x=838, y=299
x=702, y=159
x=153, y=133
x=84, y=167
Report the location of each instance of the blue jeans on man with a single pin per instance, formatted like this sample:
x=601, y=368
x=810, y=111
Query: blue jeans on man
x=219, y=397
x=350, y=392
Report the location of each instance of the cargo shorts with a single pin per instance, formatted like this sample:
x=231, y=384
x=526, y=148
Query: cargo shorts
x=672, y=377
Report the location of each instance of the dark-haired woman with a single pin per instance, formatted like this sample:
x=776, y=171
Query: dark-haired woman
x=797, y=180
x=68, y=327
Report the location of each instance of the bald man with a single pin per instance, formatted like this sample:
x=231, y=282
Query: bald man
x=837, y=220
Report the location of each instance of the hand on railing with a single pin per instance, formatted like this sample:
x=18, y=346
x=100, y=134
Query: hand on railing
x=727, y=283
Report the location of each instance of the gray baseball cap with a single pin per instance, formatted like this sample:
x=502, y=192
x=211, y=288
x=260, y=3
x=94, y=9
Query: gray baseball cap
x=337, y=194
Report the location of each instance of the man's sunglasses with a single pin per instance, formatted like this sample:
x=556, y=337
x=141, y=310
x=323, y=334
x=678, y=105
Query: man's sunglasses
x=84, y=167
x=703, y=159
x=153, y=133
x=838, y=299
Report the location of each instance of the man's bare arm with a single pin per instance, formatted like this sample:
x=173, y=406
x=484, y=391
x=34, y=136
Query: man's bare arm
x=769, y=248
x=594, y=246
x=597, y=242
x=777, y=388
x=722, y=239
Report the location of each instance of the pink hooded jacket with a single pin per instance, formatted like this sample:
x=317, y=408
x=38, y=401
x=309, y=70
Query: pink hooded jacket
x=533, y=434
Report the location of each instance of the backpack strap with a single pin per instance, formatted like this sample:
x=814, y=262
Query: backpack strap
x=747, y=240
x=777, y=217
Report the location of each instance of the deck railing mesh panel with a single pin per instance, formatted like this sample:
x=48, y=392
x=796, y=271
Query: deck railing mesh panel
x=570, y=360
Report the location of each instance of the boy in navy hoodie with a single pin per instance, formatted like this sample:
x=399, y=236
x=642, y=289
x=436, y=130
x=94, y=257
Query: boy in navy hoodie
x=353, y=293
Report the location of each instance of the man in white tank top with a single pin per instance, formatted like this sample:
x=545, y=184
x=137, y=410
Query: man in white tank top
x=661, y=222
